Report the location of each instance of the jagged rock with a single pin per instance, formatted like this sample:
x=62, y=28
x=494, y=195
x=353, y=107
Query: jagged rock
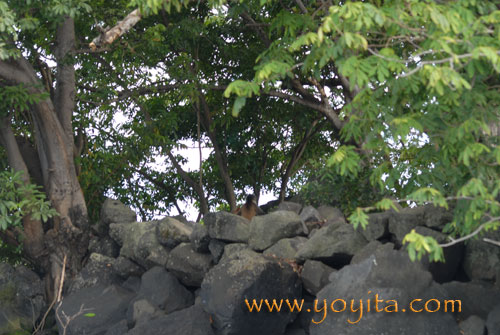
x=377, y=226
x=286, y=248
x=442, y=271
x=265, y=230
x=98, y=271
x=315, y=276
x=473, y=325
x=233, y=248
x=248, y=275
x=331, y=214
x=171, y=232
x=139, y=242
x=216, y=248
x=187, y=265
x=200, y=238
x=295, y=331
x=368, y=250
x=109, y=304
x=189, y=321
x=132, y=283
x=164, y=291
x=436, y=217
x=310, y=214
x=227, y=227
x=336, y=243
x=493, y=321
x=289, y=206
x=478, y=298
x=105, y=246
x=113, y=211
x=140, y=311
x=118, y=328
x=386, y=275
x=21, y=299
x=125, y=268
x=402, y=222
x=482, y=259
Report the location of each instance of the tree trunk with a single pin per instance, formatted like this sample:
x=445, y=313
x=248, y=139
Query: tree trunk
x=69, y=233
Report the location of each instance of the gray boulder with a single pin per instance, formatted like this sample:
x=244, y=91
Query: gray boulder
x=189, y=321
x=164, y=291
x=493, y=321
x=331, y=214
x=139, y=242
x=482, y=259
x=200, y=238
x=21, y=299
x=473, y=325
x=244, y=276
x=216, y=248
x=310, y=214
x=286, y=248
x=172, y=232
x=113, y=211
x=140, y=311
x=187, y=265
x=227, y=227
x=335, y=243
x=118, y=328
x=477, y=298
x=315, y=276
x=402, y=222
x=377, y=226
x=125, y=268
x=265, y=230
x=387, y=275
x=108, y=304
x=105, y=246
x=289, y=206
x=369, y=250
x=98, y=271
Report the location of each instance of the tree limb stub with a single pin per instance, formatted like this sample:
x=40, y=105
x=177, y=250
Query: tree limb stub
x=122, y=27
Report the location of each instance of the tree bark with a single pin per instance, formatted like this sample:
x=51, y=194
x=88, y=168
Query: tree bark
x=69, y=233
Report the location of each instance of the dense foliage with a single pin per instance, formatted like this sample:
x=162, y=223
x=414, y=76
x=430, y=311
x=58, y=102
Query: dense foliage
x=362, y=100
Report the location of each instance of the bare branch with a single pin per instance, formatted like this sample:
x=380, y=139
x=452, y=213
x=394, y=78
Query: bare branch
x=474, y=233
x=117, y=31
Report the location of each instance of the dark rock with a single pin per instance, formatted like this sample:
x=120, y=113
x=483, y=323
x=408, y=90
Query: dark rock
x=437, y=217
x=187, y=265
x=200, y=238
x=227, y=227
x=331, y=214
x=482, y=259
x=478, y=298
x=289, y=206
x=21, y=299
x=336, y=243
x=369, y=250
x=286, y=248
x=377, y=226
x=402, y=222
x=248, y=275
x=164, y=291
x=295, y=331
x=113, y=211
x=125, y=268
x=97, y=272
x=310, y=214
x=140, y=311
x=189, y=321
x=139, y=243
x=443, y=271
x=474, y=325
x=216, y=248
x=386, y=275
x=268, y=229
x=108, y=304
x=315, y=276
x=118, y=328
x=493, y=321
x=233, y=248
x=105, y=246
x=171, y=232
x=132, y=284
